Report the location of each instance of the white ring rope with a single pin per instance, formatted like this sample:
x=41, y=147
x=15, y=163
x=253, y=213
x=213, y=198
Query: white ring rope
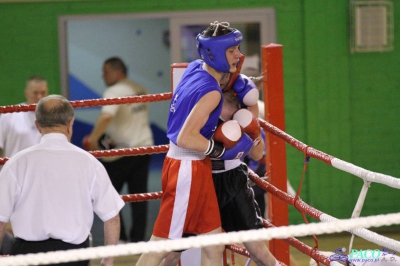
x=366, y=174
x=282, y=232
x=367, y=234
x=335, y=162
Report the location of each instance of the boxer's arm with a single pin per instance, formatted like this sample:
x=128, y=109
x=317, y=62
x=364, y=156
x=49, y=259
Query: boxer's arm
x=257, y=151
x=189, y=137
x=254, y=109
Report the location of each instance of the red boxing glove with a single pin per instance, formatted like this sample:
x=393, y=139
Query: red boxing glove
x=228, y=133
x=86, y=142
x=105, y=142
x=250, y=124
x=246, y=91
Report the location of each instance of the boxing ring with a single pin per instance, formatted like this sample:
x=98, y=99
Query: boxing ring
x=277, y=230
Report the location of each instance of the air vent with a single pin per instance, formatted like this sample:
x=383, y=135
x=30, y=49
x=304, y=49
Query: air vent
x=371, y=26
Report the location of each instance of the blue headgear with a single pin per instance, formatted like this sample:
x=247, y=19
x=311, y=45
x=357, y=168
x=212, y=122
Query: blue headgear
x=212, y=49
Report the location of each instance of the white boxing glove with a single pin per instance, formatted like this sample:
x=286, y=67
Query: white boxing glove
x=228, y=133
x=249, y=123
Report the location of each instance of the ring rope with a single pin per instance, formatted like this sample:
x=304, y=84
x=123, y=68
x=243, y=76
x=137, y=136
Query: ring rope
x=297, y=196
x=235, y=248
x=93, y=102
x=281, y=232
x=302, y=247
x=121, y=152
x=100, y=102
x=238, y=249
x=368, y=235
x=131, y=151
x=308, y=151
x=366, y=175
x=142, y=196
x=317, y=214
x=335, y=162
x=312, y=252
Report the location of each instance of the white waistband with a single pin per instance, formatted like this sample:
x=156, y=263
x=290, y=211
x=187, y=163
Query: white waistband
x=228, y=165
x=179, y=153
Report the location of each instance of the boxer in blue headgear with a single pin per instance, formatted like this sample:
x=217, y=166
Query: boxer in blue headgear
x=212, y=51
x=211, y=48
x=189, y=205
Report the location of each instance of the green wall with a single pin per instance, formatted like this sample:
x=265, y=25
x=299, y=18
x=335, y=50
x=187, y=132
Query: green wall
x=343, y=104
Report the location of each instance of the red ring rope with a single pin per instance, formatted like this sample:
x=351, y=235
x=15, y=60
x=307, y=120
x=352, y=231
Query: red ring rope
x=93, y=102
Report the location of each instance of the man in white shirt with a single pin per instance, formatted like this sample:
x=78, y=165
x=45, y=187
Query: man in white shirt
x=51, y=190
x=128, y=127
x=18, y=130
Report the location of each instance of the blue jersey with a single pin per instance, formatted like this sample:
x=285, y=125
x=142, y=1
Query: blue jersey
x=195, y=83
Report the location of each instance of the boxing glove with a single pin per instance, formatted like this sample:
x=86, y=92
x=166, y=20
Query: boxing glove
x=228, y=133
x=246, y=91
x=249, y=123
x=86, y=142
x=105, y=142
x=241, y=149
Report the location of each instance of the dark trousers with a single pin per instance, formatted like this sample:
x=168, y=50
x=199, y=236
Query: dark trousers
x=24, y=247
x=8, y=242
x=134, y=171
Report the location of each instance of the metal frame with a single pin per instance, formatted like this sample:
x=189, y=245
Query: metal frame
x=264, y=16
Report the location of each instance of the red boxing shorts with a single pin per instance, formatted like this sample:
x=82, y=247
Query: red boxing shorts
x=189, y=204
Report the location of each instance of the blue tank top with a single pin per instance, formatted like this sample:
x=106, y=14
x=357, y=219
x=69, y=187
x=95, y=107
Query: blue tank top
x=195, y=83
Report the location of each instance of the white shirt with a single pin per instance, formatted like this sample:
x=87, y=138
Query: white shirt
x=17, y=132
x=51, y=190
x=130, y=126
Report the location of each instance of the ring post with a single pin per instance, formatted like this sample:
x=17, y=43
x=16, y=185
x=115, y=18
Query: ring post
x=272, y=70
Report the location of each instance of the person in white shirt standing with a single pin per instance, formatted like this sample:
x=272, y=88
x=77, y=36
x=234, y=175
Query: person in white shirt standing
x=17, y=130
x=127, y=125
x=50, y=191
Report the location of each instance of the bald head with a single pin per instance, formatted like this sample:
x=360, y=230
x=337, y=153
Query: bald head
x=54, y=111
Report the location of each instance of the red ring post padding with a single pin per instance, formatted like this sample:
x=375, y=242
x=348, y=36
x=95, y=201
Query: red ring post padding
x=272, y=70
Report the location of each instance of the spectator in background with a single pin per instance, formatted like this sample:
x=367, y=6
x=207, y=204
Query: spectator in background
x=50, y=190
x=17, y=130
x=126, y=126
